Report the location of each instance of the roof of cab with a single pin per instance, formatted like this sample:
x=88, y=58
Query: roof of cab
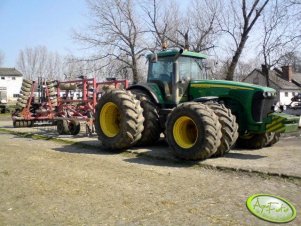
x=173, y=52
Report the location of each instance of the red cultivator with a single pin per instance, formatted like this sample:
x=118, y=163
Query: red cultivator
x=62, y=103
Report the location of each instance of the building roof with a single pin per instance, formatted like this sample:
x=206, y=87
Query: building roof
x=282, y=83
x=10, y=72
x=297, y=77
x=274, y=77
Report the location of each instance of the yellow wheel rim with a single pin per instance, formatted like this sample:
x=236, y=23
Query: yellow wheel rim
x=109, y=119
x=185, y=132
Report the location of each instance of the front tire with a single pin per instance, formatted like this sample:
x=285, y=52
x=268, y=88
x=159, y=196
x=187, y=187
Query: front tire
x=193, y=131
x=229, y=128
x=273, y=138
x=252, y=141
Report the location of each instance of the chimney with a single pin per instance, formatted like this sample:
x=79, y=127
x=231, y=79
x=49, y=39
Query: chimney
x=264, y=69
x=287, y=72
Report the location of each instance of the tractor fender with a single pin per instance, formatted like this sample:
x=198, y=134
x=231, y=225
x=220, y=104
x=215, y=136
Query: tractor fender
x=206, y=99
x=145, y=89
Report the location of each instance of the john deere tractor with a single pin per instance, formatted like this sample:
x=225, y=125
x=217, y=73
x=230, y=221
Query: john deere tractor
x=200, y=118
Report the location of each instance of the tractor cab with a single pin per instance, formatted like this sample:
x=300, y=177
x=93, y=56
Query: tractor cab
x=172, y=71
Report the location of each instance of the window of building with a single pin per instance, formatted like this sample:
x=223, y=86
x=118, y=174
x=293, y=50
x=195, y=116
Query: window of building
x=286, y=94
x=16, y=95
x=2, y=78
x=13, y=78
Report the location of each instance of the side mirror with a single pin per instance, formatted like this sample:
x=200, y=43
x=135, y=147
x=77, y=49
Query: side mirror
x=178, y=54
x=154, y=58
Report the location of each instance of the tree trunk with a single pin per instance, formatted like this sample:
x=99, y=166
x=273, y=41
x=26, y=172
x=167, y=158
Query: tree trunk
x=135, y=70
x=265, y=71
x=232, y=67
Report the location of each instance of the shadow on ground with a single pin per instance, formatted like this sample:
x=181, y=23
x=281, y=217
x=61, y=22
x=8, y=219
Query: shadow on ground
x=243, y=156
x=156, y=155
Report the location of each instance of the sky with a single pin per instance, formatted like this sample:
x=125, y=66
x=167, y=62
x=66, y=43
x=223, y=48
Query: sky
x=30, y=23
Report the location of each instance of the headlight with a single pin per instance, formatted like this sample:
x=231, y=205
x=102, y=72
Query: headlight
x=268, y=94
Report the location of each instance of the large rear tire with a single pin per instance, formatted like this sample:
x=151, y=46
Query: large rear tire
x=229, y=128
x=152, y=128
x=193, y=131
x=118, y=119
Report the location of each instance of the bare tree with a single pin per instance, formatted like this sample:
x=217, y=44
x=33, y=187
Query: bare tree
x=161, y=21
x=281, y=35
x=39, y=62
x=237, y=22
x=115, y=31
x=75, y=67
x=183, y=29
x=203, y=27
x=295, y=2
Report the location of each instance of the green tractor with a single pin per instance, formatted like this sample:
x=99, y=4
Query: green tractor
x=200, y=118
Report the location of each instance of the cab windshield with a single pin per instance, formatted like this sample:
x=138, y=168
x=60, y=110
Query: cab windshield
x=161, y=70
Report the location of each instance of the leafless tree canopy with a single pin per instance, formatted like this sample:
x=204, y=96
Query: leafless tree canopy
x=115, y=32
x=184, y=29
x=237, y=22
x=39, y=62
x=121, y=32
x=281, y=36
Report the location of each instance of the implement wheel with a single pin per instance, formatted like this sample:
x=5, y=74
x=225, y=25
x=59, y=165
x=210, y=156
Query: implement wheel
x=62, y=127
x=229, y=128
x=152, y=128
x=74, y=127
x=118, y=119
x=193, y=131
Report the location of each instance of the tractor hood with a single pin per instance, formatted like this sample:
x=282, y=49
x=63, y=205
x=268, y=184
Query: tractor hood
x=230, y=85
x=251, y=103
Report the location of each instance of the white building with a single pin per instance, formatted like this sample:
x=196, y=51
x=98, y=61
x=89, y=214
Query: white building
x=10, y=84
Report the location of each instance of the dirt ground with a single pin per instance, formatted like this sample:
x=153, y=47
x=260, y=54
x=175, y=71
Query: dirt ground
x=49, y=183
